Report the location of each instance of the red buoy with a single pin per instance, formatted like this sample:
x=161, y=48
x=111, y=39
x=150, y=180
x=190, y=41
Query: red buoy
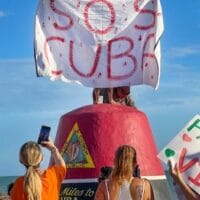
x=89, y=136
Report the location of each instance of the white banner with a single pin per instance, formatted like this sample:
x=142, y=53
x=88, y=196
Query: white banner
x=184, y=150
x=99, y=43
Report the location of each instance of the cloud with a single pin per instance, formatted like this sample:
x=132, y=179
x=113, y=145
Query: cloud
x=2, y=13
x=178, y=90
x=24, y=94
x=175, y=66
x=34, y=113
x=179, y=86
x=184, y=51
x=14, y=61
x=16, y=69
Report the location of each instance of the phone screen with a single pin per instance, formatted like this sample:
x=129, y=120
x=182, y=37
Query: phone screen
x=44, y=134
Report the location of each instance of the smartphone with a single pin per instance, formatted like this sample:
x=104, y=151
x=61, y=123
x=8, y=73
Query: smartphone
x=44, y=134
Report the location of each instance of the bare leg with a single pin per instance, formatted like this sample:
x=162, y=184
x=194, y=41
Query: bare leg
x=110, y=96
x=95, y=95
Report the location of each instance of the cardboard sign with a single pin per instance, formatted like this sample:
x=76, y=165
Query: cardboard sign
x=184, y=150
x=99, y=43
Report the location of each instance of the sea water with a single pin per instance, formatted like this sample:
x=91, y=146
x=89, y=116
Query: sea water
x=4, y=182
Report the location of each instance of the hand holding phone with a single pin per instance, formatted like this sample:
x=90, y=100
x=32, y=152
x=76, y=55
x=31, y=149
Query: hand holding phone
x=44, y=134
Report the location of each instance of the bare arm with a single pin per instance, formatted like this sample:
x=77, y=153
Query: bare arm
x=100, y=193
x=54, y=152
x=148, y=190
x=187, y=191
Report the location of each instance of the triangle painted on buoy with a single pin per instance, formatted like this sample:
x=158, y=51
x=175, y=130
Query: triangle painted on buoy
x=75, y=152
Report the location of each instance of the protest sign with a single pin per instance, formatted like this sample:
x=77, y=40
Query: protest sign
x=99, y=43
x=184, y=150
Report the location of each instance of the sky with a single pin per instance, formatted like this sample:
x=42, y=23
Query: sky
x=27, y=102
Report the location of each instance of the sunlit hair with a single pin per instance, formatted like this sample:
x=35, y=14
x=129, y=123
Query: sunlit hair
x=31, y=156
x=125, y=158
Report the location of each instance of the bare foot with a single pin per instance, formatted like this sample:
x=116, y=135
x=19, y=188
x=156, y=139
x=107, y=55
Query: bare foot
x=114, y=102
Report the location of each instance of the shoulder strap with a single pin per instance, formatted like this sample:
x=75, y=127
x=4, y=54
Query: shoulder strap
x=107, y=191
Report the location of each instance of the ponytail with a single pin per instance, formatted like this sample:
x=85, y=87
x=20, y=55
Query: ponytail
x=32, y=184
x=31, y=156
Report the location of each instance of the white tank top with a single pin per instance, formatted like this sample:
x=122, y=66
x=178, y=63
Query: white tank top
x=124, y=192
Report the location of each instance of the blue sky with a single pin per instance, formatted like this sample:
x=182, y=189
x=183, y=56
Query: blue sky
x=27, y=102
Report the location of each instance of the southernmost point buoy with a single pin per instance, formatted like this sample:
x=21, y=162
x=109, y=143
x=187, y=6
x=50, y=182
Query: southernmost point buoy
x=88, y=137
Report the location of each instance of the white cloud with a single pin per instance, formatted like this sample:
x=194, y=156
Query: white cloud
x=170, y=105
x=35, y=113
x=2, y=13
x=184, y=51
x=16, y=61
x=174, y=66
x=178, y=90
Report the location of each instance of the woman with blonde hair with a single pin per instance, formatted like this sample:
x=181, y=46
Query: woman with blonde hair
x=121, y=185
x=37, y=184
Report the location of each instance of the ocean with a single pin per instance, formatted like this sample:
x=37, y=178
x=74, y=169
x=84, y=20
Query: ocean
x=4, y=182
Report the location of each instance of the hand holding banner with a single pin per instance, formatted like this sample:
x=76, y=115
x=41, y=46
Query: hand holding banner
x=184, y=150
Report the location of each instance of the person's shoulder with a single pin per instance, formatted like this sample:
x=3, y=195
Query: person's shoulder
x=137, y=180
x=103, y=184
x=147, y=182
x=141, y=186
x=101, y=191
x=17, y=186
x=19, y=179
x=136, y=187
x=55, y=169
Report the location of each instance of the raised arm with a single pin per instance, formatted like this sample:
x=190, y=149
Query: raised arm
x=187, y=191
x=54, y=152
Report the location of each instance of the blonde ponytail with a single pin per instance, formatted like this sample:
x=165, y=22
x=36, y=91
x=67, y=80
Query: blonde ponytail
x=31, y=156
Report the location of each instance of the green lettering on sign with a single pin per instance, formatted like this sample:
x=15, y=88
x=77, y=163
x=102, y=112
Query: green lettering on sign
x=194, y=125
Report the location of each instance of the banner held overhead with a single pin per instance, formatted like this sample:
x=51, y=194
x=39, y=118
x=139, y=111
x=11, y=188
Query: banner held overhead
x=99, y=43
